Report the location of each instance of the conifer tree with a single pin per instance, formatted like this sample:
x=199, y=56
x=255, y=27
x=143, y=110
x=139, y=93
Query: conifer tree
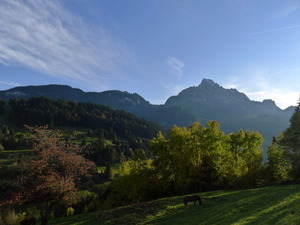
x=291, y=143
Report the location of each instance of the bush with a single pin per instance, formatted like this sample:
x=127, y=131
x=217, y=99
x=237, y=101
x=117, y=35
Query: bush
x=70, y=211
x=10, y=217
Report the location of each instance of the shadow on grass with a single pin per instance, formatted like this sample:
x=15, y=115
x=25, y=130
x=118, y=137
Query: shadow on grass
x=270, y=205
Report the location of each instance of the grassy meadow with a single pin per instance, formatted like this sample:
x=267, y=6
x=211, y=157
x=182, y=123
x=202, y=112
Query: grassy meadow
x=269, y=205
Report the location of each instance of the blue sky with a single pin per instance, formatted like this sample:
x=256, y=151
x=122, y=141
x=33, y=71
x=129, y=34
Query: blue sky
x=153, y=48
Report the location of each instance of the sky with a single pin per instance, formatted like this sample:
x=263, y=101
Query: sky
x=154, y=48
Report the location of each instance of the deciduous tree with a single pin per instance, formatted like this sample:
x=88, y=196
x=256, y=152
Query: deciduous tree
x=278, y=166
x=50, y=175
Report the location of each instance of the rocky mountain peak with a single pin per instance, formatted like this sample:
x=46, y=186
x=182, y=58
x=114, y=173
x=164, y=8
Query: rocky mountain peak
x=268, y=102
x=208, y=92
x=208, y=82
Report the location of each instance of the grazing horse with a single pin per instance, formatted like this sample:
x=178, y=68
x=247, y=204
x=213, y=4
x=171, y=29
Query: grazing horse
x=193, y=198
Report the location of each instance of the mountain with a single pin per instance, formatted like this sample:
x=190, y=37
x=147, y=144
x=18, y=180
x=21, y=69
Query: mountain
x=208, y=101
x=133, y=103
x=233, y=109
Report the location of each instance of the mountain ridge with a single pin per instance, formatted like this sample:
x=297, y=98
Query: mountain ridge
x=16, y=92
x=207, y=101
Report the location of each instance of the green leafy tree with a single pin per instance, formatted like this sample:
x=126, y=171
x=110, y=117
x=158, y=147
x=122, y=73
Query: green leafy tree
x=187, y=159
x=136, y=182
x=192, y=159
x=278, y=167
x=204, y=157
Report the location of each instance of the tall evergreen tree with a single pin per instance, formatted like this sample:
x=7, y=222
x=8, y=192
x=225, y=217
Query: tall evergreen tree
x=291, y=142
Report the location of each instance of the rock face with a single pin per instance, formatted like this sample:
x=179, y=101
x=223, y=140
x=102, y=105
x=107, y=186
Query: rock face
x=208, y=101
x=211, y=101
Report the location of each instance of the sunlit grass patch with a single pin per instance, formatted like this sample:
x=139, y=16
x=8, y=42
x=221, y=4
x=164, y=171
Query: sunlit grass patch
x=16, y=151
x=269, y=205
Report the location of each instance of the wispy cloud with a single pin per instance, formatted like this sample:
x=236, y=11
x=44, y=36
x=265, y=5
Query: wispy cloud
x=261, y=83
x=268, y=31
x=176, y=66
x=256, y=33
x=283, y=98
x=285, y=12
x=9, y=83
x=46, y=37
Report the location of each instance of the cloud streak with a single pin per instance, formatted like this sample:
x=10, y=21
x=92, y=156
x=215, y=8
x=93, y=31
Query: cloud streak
x=268, y=31
x=44, y=36
x=176, y=66
x=9, y=83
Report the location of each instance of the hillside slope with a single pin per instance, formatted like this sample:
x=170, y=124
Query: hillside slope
x=269, y=205
x=108, y=135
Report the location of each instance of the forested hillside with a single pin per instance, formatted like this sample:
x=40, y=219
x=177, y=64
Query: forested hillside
x=109, y=135
x=43, y=110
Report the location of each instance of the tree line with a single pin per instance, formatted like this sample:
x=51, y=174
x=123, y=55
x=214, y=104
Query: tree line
x=188, y=160
x=201, y=158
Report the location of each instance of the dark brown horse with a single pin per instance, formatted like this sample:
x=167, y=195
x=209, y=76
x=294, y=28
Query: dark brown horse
x=192, y=198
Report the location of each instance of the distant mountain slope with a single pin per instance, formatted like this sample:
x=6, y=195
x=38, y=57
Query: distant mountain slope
x=116, y=99
x=233, y=109
x=208, y=101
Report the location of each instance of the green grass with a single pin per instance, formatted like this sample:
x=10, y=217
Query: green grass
x=9, y=158
x=16, y=151
x=7, y=162
x=115, y=168
x=269, y=205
